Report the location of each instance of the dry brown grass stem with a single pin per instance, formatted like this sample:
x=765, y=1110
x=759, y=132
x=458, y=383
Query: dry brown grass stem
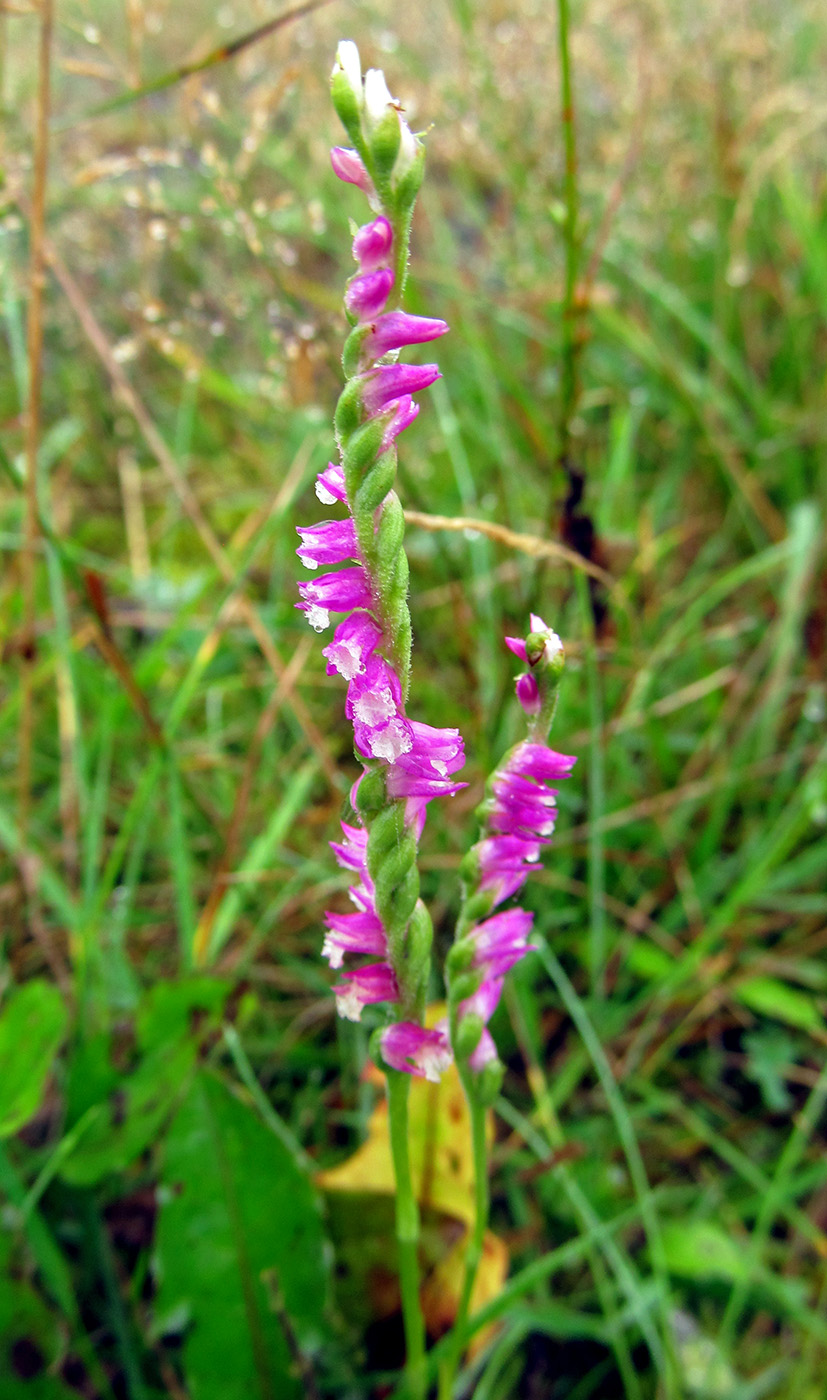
x=532, y=545
x=34, y=330
x=130, y=400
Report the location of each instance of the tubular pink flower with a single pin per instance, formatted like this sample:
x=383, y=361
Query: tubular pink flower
x=405, y=410
x=390, y=382
x=484, y=1001
x=362, y=988
x=375, y=695
x=330, y=485
x=388, y=741
x=541, y=763
x=348, y=166
x=351, y=853
x=426, y=770
x=354, y=640
x=416, y=1050
x=517, y=645
x=372, y=244
x=502, y=941
x=332, y=542
x=504, y=862
x=340, y=592
x=396, y=329
x=367, y=293
x=353, y=933
x=528, y=693
x=485, y=1053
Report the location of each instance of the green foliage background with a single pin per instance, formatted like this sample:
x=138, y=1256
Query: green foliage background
x=169, y=1058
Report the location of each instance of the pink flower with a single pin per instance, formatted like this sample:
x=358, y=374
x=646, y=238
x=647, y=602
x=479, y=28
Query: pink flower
x=353, y=933
x=528, y=693
x=389, y=382
x=396, y=329
x=340, y=592
x=348, y=166
x=367, y=293
x=417, y=1050
x=504, y=860
x=405, y=410
x=427, y=768
x=330, y=485
x=332, y=542
x=353, y=643
x=502, y=941
x=367, y=985
x=372, y=244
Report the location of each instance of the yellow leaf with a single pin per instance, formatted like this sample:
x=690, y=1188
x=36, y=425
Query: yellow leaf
x=442, y=1167
x=442, y=1163
x=443, y=1288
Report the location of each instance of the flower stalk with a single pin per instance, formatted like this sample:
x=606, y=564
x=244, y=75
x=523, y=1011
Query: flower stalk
x=517, y=817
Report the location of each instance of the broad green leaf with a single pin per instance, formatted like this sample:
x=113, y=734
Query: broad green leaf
x=238, y=1219
x=32, y=1025
x=770, y=997
x=698, y=1249
x=134, y=1114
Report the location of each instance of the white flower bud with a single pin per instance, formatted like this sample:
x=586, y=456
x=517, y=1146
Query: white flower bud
x=347, y=59
x=407, y=152
x=377, y=96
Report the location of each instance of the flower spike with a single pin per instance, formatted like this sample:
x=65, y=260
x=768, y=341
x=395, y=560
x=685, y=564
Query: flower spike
x=406, y=764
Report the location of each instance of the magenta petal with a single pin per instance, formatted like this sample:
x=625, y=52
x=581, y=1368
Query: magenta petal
x=351, y=853
x=340, y=592
x=375, y=695
x=396, y=329
x=517, y=645
x=353, y=642
x=502, y=941
x=332, y=542
x=405, y=412
x=386, y=742
x=485, y=1053
x=528, y=693
x=543, y=764
x=366, y=294
x=366, y=985
x=353, y=933
x=416, y=1050
x=330, y=485
x=372, y=244
x=390, y=382
x=348, y=166
x=484, y=1001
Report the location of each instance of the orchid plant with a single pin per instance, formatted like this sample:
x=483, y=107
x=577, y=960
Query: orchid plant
x=406, y=764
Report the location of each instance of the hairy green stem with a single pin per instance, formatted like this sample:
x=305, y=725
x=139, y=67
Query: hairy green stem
x=473, y=1254
x=407, y=1235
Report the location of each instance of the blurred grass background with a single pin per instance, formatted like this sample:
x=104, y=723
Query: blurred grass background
x=189, y=754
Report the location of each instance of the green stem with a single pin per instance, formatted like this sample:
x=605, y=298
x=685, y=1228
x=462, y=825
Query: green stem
x=473, y=1254
x=407, y=1235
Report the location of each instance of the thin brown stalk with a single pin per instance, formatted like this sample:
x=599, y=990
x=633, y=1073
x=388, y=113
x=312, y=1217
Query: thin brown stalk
x=532, y=545
x=37, y=277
